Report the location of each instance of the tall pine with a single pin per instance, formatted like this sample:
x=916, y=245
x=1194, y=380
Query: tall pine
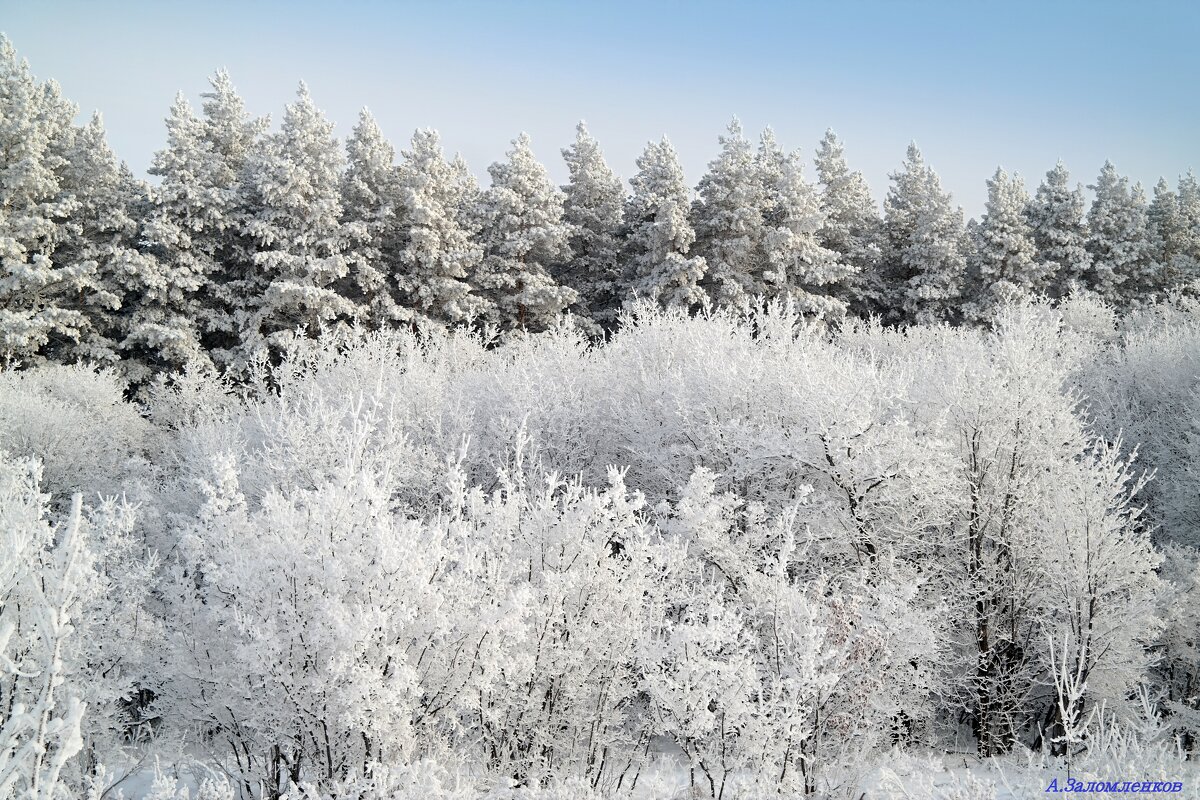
x=1122, y=266
x=926, y=244
x=1056, y=222
x=852, y=228
x=371, y=211
x=1004, y=263
x=40, y=287
x=795, y=263
x=294, y=194
x=592, y=209
x=1168, y=231
x=523, y=235
x=105, y=234
x=728, y=220
x=196, y=227
x=439, y=251
x=659, y=235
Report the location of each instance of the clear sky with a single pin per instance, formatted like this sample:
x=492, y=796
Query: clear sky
x=975, y=84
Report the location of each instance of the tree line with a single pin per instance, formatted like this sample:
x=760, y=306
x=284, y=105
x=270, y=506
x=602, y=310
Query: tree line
x=251, y=236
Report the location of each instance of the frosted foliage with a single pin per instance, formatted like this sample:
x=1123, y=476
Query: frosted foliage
x=1118, y=240
x=660, y=236
x=371, y=209
x=440, y=252
x=43, y=573
x=522, y=234
x=301, y=240
x=592, y=208
x=798, y=265
x=1004, y=263
x=41, y=282
x=1059, y=233
x=728, y=219
x=925, y=256
x=195, y=229
x=852, y=227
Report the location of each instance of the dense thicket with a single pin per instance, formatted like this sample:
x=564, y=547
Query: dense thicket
x=252, y=237
x=775, y=551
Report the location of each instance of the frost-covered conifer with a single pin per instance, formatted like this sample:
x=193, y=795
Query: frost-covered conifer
x=1056, y=221
x=293, y=184
x=1168, y=230
x=926, y=259
x=592, y=208
x=196, y=227
x=129, y=299
x=660, y=237
x=853, y=228
x=1189, y=210
x=794, y=262
x=523, y=234
x=439, y=252
x=728, y=220
x=1004, y=263
x=1118, y=242
x=371, y=211
x=40, y=312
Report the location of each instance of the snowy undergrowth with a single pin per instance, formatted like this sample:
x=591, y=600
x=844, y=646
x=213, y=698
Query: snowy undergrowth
x=716, y=556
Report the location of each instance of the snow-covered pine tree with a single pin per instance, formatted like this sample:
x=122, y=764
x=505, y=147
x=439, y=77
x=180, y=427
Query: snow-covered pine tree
x=926, y=262
x=728, y=220
x=1189, y=210
x=371, y=211
x=1004, y=264
x=853, y=228
x=659, y=236
x=1168, y=237
x=294, y=182
x=178, y=232
x=1118, y=241
x=523, y=234
x=439, y=251
x=40, y=315
x=1055, y=216
x=196, y=228
x=592, y=209
x=126, y=286
x=793, y=262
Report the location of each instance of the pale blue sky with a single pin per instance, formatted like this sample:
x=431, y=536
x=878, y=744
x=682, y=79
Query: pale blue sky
x=976, y=84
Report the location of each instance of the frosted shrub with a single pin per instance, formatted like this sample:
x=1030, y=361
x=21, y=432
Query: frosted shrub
x=45, y=577
x=75, y=420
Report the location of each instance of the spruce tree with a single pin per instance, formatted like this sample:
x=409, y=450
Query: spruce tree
x=1004, y=263
x=439, y=251
x=728, y=220
x=523, y=234
x=1122, y=267
x=592, y=209
x=659, y=235
x=852, y=229
x=293, y=184
x=1056, y=222
x=926, y=242
x=371, y=211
